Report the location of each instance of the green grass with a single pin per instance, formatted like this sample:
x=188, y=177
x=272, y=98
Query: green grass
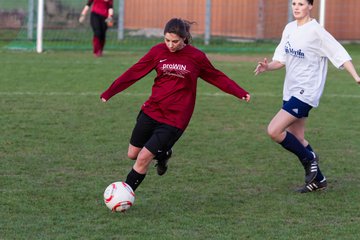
x=80, y=39
x=60, y=147
x=23, y=4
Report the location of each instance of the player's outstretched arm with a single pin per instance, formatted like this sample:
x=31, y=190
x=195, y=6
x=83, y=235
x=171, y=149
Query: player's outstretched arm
x=261, y=67
x=247, y=98
x=264, y=66
x=351, y=69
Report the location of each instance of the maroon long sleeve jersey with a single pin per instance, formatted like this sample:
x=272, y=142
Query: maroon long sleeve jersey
x=100, y=7
x=174, y=90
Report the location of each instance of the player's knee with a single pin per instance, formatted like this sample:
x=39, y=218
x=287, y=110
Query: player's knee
x=272, y=133
x=132, y=155
x=142, y=164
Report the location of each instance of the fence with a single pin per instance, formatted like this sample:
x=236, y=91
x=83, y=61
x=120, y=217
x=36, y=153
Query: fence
x=219, y=22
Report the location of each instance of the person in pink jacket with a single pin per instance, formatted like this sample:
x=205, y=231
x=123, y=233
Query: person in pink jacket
x=166, y=114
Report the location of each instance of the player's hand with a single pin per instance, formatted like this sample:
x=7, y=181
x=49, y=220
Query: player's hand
x=358, y=80
x=261, y=67
x=82, y=18
x=109, y=21
x=247, y=98
x=103, y=100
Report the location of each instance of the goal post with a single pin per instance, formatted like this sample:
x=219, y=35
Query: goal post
x=322, y=13
x=40, y=27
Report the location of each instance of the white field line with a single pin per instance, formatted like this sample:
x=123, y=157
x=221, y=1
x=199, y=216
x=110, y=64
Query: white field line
x=220, y=94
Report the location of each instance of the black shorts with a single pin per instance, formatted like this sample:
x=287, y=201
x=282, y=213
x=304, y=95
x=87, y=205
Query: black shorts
x=155, y=136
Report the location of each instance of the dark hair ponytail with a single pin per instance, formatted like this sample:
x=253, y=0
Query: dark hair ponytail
x=179, y=27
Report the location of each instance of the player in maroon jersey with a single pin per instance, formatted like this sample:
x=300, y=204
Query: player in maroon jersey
x=167, y=112
x=101, y=13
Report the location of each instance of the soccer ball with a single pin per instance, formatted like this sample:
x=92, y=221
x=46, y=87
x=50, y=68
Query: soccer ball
x=119, y=197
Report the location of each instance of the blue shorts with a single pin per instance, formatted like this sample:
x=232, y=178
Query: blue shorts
x=296, y=107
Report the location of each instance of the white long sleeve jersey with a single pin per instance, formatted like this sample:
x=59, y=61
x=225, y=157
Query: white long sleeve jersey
x=305, y=50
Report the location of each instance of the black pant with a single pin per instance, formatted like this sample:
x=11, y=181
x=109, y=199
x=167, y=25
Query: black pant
x=98, y=25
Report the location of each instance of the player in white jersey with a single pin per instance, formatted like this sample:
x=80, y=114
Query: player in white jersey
x=304, y=50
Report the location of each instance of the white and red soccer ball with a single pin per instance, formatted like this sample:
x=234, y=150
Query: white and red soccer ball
x=119, y=197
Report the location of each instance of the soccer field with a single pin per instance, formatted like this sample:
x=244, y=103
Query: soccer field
x=60, y=146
